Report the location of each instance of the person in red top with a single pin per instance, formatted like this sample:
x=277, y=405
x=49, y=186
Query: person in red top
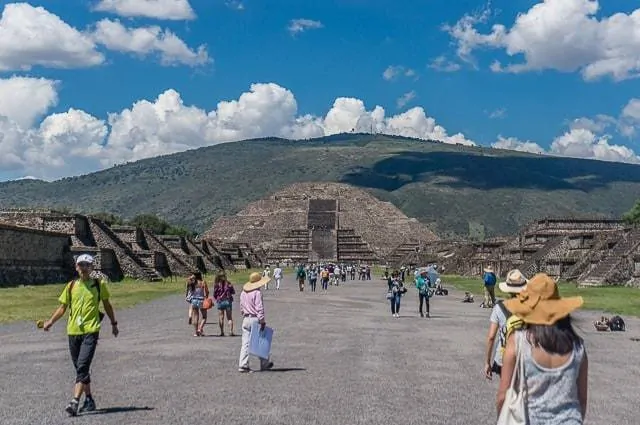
x=223, y=293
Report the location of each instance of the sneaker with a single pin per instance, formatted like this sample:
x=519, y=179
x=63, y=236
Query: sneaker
x=244, y=370
x=268, y=366
x=88, y=406
x=72, y=408
x=428, y=315
x=422, y=315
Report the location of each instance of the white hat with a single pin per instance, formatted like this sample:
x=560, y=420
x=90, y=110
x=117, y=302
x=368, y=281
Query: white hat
x=514, y=283
x=84, y=258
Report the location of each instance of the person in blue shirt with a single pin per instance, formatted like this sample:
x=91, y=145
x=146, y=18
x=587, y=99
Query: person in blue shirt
x=423, y=284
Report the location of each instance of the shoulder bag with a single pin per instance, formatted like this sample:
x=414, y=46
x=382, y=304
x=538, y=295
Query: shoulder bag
x=514, y=409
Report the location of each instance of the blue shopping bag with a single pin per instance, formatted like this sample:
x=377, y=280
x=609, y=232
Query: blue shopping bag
x=260, y=341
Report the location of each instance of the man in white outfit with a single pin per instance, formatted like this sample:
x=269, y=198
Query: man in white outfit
x=277, y=275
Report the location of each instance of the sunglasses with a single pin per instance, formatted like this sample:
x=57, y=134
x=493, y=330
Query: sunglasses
x=85, y=264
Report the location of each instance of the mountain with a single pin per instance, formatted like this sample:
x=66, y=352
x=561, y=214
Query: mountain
x=444, y=186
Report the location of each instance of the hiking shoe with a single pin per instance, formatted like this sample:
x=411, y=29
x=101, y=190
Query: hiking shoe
x=244, y=370
x=268, y=366
x=88, y=406
x=72, y=408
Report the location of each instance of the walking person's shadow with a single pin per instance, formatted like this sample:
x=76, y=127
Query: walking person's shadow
x=122, y=409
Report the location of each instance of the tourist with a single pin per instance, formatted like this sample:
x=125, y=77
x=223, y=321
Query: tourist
x=267, y=273
x=223, y=292
x=277, y=276
x=313, y=279
x=199, y=292
x=189, y=285
x=324, y=279
x=554, y=356
x=82, y=296
x=423, y=284
x=397, y=290
x=489, y=279
x=252, y=310
x=301, y=275
x=512, y=286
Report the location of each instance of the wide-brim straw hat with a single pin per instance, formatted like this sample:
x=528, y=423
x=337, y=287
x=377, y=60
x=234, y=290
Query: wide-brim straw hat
x=256, y=280
x=540, y=302
x=488, y=269
x=515, y=282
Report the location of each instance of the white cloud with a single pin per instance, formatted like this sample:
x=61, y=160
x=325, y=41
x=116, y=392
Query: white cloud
x=563, y=35
x=149, y=40
x=297, y=26
x=442, y=64
x=403, y=100
x=394, y=71
x=75, y=142
x=32, y=36
x=513, y=144
x=499, y=113
x=23, y=99
x=583, y=143
x=177, y=10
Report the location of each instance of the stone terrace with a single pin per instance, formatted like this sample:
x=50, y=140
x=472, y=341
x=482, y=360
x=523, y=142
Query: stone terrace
x=327, y=371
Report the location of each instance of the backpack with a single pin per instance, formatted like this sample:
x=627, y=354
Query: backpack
x=616, y=324
x=301, y=274
x=489, y=279
x=503, y=331
x=96, y=284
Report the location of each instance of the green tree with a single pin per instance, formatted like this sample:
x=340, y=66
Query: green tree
x=150, y=222
x=108, y=218
x=633, y=215
x=179, y=231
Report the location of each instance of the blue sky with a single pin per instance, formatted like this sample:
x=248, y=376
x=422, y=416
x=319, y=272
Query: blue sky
x=344, y=54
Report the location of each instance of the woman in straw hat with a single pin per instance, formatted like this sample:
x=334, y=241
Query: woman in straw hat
x=512, y=286
x=554, y=356
x=252, y=310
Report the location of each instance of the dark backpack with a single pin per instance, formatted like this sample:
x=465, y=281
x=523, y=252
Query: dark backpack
x=616, y=324
x=96, y=284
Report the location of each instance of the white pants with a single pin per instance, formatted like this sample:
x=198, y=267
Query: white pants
x=278, y=280
x=243, y=363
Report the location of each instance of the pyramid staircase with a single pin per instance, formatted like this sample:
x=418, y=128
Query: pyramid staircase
x=610, y=262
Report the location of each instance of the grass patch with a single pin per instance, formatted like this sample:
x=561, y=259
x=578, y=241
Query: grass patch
x=39, y=302
x=610, y=299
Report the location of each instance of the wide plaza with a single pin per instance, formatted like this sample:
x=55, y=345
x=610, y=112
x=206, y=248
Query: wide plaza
x=340, y=358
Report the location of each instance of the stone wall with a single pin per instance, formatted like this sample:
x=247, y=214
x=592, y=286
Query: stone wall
x=30, y=256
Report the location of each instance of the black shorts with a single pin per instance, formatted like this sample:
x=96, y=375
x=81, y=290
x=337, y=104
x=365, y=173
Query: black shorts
x=496, y=368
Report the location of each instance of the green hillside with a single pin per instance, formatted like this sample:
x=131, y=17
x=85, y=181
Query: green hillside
x=445, y=186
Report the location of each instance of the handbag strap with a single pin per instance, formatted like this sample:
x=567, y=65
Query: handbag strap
x=518, y=370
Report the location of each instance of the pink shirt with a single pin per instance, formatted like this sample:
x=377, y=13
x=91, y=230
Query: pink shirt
x=251, y=304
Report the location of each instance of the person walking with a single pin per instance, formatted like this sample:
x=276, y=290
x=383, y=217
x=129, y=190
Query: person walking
x=512, y=286
x=313, y=279
x=252, y=310
x=82, y=297
x=223, y=292
x=489, y=279
x=301, y=275
x=550, y=355
x=397, y=290
x=423, y=284
x=277, y=276
x=324, y=279
x=199, y=292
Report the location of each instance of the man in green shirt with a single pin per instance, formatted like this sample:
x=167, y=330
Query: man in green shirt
x=82, y=296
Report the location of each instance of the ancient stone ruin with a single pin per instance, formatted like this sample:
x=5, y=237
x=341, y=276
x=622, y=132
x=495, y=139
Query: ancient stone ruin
x=589, y=252
x=308, y=222
x=40, y=247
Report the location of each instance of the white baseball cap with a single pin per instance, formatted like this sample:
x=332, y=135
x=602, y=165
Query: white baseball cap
x=84, y=258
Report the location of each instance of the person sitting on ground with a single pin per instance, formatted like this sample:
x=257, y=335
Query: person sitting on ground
x=554, y=357
x=223, y=292
x=82, y=297
x=252, y=310
x=512, y=286
x=468, y=297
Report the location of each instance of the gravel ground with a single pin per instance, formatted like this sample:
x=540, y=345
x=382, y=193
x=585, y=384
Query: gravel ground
x=340, y=358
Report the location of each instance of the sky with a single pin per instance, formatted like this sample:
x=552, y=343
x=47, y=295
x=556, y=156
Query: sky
x=88, y=84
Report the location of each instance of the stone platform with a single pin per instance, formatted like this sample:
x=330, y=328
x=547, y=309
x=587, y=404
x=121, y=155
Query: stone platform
x=340, y=359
